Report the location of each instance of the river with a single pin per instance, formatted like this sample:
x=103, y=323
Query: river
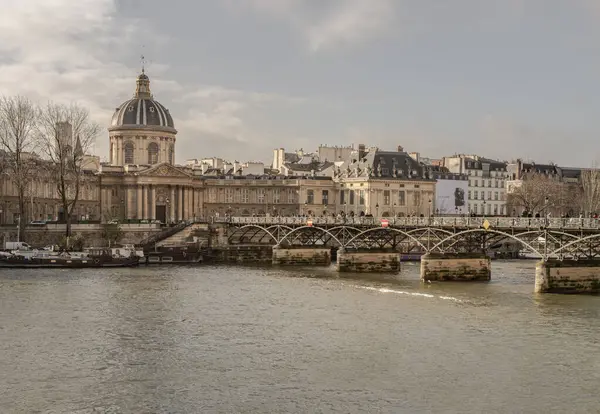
x=265, y=340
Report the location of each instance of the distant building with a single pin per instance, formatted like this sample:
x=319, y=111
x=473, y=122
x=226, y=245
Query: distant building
x=487, y=179
x=384, y=183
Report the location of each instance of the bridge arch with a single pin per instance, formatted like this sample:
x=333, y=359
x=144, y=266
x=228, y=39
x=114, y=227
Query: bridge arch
x=268, y=230
x=511, y=236
x=297, y=229
x=362, y=233
x=574, y=242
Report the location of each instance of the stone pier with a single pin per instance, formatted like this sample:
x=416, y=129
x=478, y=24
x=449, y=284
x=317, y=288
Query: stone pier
x=456, y=267
x=368, y=261
x=568, y=276
x=301, y=256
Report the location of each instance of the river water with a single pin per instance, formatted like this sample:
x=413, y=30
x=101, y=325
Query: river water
x=265, y=340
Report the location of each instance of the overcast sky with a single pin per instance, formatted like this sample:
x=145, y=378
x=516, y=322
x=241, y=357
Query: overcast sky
x=501, y=78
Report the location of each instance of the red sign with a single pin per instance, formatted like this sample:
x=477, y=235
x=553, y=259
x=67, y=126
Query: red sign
x=309, y=223
x=384, y=223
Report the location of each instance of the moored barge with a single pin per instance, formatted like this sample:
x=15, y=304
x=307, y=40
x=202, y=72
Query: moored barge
x=91, y=258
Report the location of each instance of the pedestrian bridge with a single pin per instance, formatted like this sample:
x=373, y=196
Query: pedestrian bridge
x=538, y=237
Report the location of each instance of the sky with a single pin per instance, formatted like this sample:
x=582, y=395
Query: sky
x=503, y=79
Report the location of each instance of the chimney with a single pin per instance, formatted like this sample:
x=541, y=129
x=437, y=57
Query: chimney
x=236, y=167
x=400, y=148
x=361, y=151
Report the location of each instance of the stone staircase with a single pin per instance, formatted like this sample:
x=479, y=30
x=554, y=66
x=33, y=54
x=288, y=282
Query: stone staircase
x=197, y=232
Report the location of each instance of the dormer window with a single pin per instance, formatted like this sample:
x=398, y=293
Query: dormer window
x=151, y=109
x=130, y=109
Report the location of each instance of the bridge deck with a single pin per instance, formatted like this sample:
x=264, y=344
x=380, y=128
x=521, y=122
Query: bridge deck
x=588, y=224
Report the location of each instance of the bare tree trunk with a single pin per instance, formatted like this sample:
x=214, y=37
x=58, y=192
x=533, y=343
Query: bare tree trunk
x=65, y=134
x=18, y=117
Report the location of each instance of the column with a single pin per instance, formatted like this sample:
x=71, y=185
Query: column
x=145, y=202
x=140, y=203
x=129, y=203
x=172, y=204
x=108, y=202
x=153, y=202
x=185, y=202
x=190, y=206
x=179, y=203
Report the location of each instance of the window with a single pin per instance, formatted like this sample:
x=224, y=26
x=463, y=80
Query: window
x=237, y=195
x=276, y=196
x=401, y=198
x=229, y=195
x=495, y=195
x=386, y=198
x=489, y=195
x=361, y=197
x=153, y=153
x=475, y=193
x=469, y=194
x=325, y=197
x=476, y=183
x=342, y=197
x=291, y=199
x=212, y=195
x=310, y=196
x=351, y=197
x=475, y=208
x=261, y=195
x=128, y=149
x=245, y=195
x=171, y=153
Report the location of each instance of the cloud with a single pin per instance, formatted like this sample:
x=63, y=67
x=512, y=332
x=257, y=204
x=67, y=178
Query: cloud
x=69, y=51
x=330, y=23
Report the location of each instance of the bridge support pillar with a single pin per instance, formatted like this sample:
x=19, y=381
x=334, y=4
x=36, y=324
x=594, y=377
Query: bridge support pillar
x=301, y=256
x=367, y=261
x=568, y=276
x=456, y=267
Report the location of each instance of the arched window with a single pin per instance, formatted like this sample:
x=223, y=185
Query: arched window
x=171, y=154
x=128, y=152
x=153, y=153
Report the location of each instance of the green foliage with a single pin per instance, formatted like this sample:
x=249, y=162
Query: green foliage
x=75, y=242
x=112, y=233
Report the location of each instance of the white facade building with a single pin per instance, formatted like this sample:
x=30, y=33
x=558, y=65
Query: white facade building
x=487, y=183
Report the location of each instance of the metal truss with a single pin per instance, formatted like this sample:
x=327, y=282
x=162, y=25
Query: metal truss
x=542, y=243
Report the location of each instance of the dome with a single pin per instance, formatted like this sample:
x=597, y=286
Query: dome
x=142, y=110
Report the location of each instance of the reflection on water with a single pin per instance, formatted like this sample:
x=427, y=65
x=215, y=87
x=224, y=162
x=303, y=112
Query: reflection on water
x=235, y=339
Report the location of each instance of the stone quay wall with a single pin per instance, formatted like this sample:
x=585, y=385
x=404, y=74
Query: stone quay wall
x=568, y=276
x=456, y=267
x=301, y=256
x=241, y=254
x=368, y=261
x=39, y=237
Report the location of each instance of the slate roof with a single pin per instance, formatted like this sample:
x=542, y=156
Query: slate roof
x=385, y=164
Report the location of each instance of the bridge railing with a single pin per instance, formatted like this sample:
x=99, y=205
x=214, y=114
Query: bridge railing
x=469, y=222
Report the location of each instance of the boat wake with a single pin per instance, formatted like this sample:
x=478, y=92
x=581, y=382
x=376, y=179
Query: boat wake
x=403, y=292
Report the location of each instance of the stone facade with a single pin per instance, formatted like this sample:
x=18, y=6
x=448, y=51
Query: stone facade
x=301, y=256
x=368, y=262
x=568, y=276
x=456, y=267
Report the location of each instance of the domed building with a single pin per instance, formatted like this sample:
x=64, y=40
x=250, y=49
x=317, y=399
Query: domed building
x=142, y=130
x=141, y=181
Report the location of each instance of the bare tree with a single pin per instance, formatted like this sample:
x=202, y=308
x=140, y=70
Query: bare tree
x=17, y=139
x=540, y=193
x=590, y=191
x=65, y=134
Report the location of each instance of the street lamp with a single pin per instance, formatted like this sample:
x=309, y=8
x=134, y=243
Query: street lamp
x=377, y=209
x=429, y=207
x=483, y=212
